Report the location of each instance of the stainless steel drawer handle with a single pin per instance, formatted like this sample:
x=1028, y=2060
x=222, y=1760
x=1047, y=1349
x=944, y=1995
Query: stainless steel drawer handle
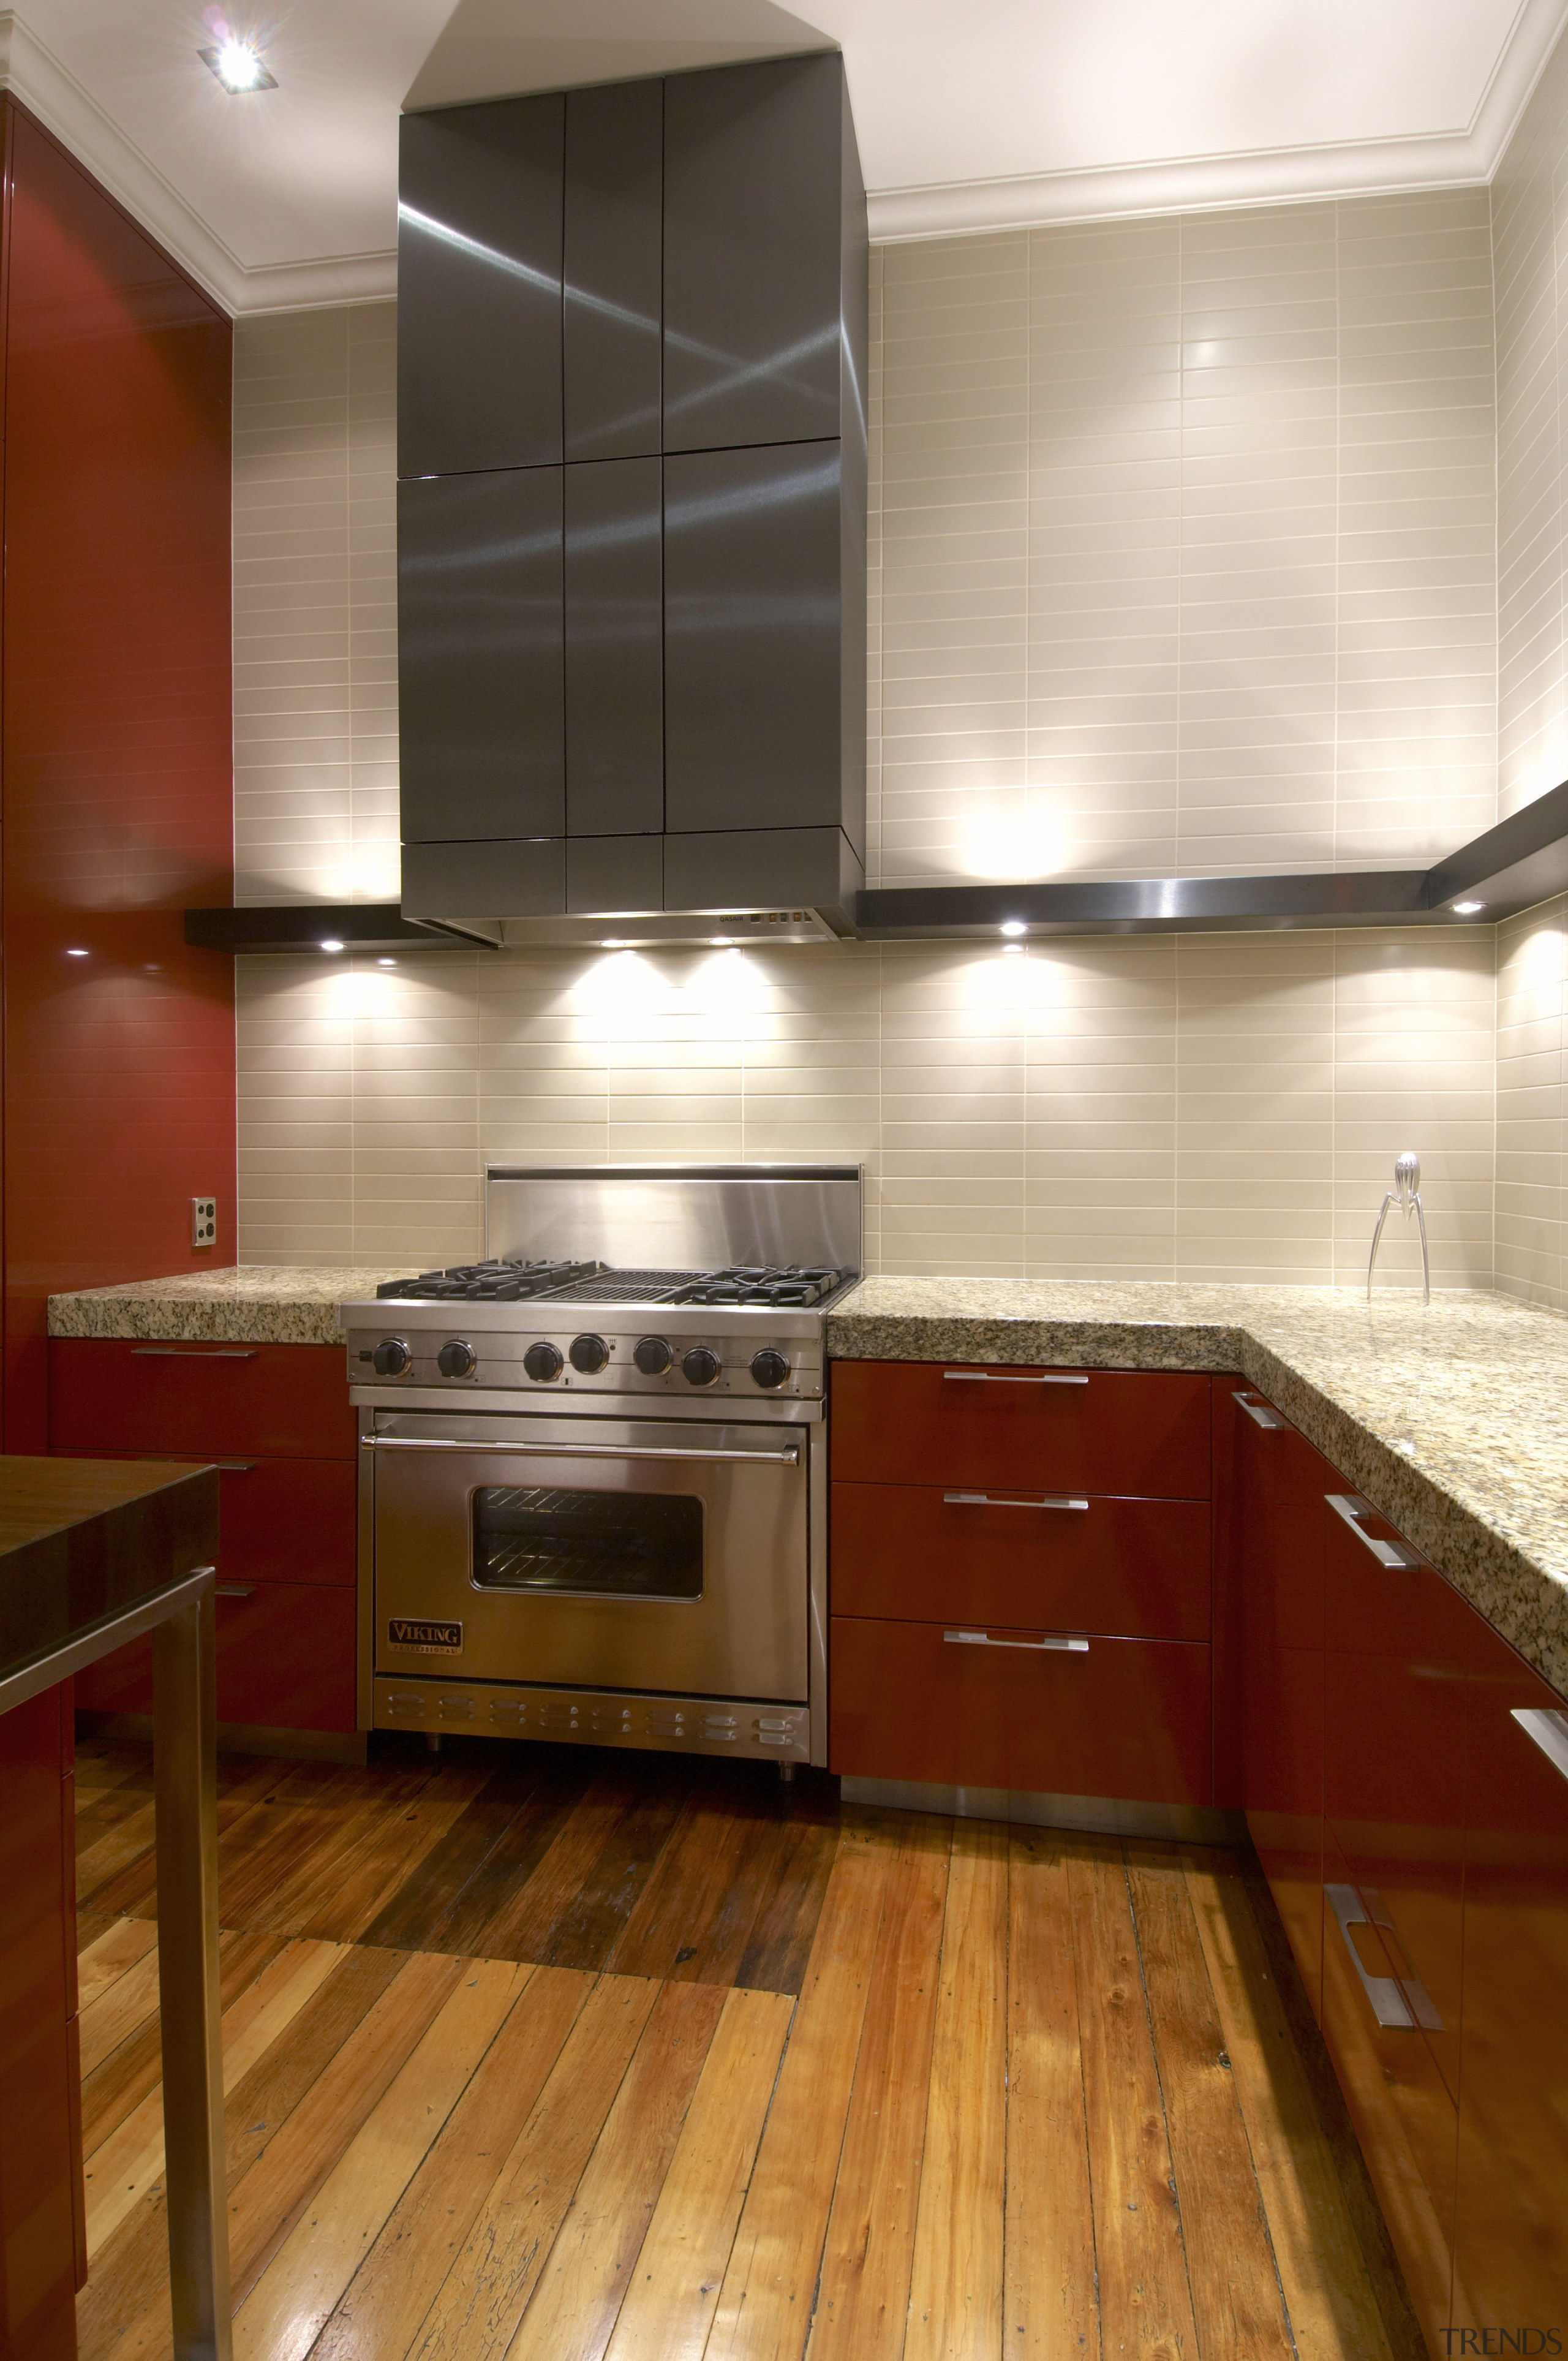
x=1550, y=1731
x=788, y=1458
x=998, y=1500
x=235, y=1466
x=1355, y=1905
x=234, y=1590
x=1347, y=1506
x=1065, y=1642
x=193, y=1353
x=1259, y=1411
x=998, y=1377
x=1384, y=1995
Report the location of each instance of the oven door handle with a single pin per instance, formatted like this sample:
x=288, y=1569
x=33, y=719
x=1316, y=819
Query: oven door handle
x=789, y=1457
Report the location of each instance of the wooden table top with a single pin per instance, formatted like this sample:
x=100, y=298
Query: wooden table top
x=83, y=1541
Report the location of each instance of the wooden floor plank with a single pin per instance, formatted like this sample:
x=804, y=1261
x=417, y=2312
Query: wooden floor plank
x=1333, y=2311
x=1145, y=2307
x=105, y=1959
x=1234, y=2286
x=132, y=1889
x=267, y=2200
x=119, y=2083
x=341, y=1883
x=106, y=1843
x=577, y=2295
x=695, y=1918
x=670, y=2304
x=493, y=1911
x=420, y=1913
x=588, y=1929
x=523, y=1926
x=386, y=2305
x=484, y=2296
x=1051, y=2310
x=128, y=2286
x=290, y=2303
x=956, y=2276
x=763, y=2312
x=784, y=1928
x=126, y=2164
x=863, y=2295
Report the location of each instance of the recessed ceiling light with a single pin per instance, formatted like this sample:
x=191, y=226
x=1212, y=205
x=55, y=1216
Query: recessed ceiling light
x=386, y=963
x=1468, y=909
x=331, y=944
x=1014, y=926
x=239, y=66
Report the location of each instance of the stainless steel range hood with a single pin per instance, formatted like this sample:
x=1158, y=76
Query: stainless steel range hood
x=631, y=455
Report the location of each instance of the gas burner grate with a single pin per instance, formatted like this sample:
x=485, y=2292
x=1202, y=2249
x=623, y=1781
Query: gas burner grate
x=487, y=1282
x=773, y=1288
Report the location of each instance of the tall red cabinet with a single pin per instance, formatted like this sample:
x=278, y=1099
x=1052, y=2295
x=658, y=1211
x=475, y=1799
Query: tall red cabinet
x=116, y=805
x=117, y=1042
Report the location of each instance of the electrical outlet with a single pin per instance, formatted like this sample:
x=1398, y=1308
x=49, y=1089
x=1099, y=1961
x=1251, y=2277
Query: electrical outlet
x=203, y=1221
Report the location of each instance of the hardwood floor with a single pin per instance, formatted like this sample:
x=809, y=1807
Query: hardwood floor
x=561, y=2055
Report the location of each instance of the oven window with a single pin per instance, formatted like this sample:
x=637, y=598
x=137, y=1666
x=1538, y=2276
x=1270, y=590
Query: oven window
x=588, y=1544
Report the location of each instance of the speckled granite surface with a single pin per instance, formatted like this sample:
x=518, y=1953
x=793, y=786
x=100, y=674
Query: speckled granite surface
x=1452, y=1420
x=256, y=1304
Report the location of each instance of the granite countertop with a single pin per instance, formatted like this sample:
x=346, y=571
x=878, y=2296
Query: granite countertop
x=1451, y=1419
x=258, y=1304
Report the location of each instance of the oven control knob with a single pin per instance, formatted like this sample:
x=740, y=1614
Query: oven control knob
x=653, y=1355
x=542, y=1362
x=701, y=1366
x=391, y=1357
x=769, y=1369
x=457, y=1359
x=590, y=1355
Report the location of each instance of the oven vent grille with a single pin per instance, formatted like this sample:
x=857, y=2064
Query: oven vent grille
x=693, y=1726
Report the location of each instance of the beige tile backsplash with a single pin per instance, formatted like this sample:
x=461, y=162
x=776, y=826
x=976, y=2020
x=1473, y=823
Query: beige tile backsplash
x=1202, y=1107
x=1187, y=540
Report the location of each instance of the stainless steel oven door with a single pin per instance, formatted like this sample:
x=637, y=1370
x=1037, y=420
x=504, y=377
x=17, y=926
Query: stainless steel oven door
x=590, y=1552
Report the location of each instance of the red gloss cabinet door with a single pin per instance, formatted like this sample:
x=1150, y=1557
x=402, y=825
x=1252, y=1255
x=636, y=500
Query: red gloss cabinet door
x=39, y=2167
x=1511, y=2227
x=1111, y=1431
x=217, y=1402
x=1122, y=1717
x=1281, y=1481
x=912, y=1554
x=1397, y=1641
x=117, y=755
x=285, y=1660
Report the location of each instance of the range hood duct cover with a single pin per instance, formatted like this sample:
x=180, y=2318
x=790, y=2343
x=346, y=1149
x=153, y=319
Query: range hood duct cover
x=632, y=503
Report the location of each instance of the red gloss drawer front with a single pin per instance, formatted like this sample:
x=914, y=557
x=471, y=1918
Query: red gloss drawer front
x=1122, y=1717
x=285, y=1660
x=1067, y=1562
x=217, y=1402
x=1111, y=1431
x=286, y=1519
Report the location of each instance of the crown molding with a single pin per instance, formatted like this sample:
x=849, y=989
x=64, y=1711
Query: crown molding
x=1468, y=157
x=1274, y=176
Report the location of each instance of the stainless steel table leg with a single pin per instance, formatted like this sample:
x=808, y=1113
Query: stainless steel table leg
x=185, y=1786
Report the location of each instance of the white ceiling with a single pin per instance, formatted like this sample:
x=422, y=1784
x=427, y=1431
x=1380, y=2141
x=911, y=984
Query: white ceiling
x=972, y=114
